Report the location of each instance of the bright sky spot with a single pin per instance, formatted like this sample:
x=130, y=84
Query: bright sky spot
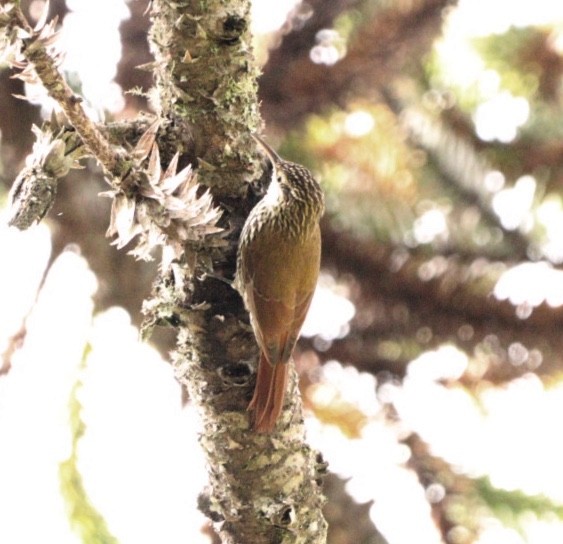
x=550, y=217
x=358, y=123
x=463, y=66
x=34, y=430
x=500, y=117
x=269, y=16
x=330, y=312
x=91, y=43
x=430, y=225
x=26, y=255
x=531, y=284
x=495, y=533
x=468, y=19
x=329, y=49
x=446, y=363
x=160, y=435
x=513, y=204
x=356, y=388
x=324, y=54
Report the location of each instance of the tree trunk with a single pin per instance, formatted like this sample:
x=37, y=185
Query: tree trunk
x=262, y=488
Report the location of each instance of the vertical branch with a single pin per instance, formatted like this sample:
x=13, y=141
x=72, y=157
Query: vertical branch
x=262, y=488
x=206, y=81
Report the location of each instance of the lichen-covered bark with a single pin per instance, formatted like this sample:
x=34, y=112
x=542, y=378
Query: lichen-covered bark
x=262, y=488
x=206, y=83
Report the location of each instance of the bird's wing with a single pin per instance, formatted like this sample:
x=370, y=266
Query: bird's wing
x=278, y=291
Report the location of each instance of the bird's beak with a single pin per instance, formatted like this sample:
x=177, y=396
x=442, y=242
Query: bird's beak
x=272, y=155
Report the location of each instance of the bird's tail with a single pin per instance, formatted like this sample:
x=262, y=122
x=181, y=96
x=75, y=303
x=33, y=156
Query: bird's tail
x=267, y=401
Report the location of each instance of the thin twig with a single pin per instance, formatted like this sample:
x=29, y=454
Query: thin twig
x=45, y=66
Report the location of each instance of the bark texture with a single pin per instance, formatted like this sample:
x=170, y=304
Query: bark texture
x=263, y=488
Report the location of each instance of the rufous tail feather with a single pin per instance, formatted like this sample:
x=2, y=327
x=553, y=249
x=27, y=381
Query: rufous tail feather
x=267, y=401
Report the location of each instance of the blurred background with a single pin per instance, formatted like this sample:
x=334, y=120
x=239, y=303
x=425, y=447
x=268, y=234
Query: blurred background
x=432, y=358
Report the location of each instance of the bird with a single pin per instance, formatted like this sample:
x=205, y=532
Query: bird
x=278, y=264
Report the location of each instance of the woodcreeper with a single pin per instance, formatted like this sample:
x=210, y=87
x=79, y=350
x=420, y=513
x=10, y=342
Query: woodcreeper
x=278, y=265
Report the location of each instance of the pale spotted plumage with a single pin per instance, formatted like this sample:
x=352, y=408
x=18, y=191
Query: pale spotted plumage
x=293, y=205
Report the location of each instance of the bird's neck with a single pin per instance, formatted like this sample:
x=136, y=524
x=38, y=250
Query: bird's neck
x=291, y=211
x=275, y=194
